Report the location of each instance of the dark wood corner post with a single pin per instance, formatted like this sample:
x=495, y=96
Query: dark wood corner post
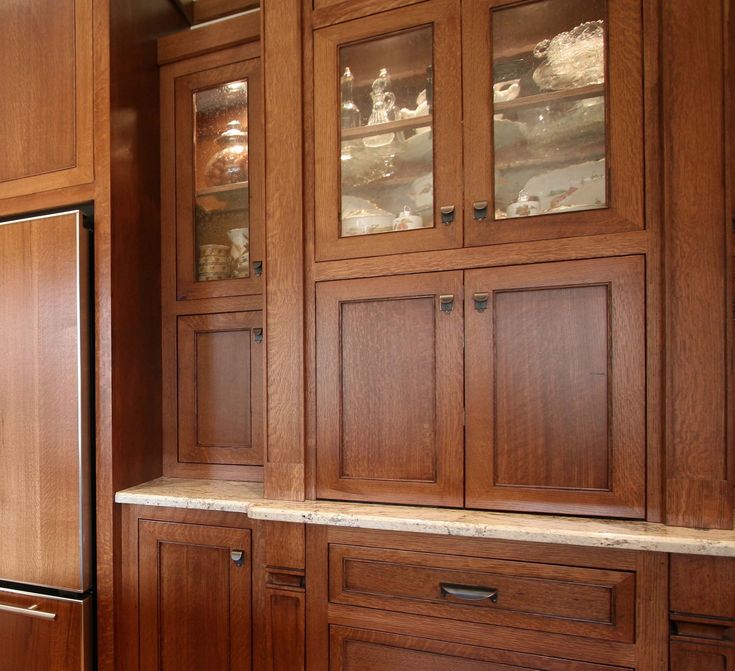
x=284, y=467
x=697, y=239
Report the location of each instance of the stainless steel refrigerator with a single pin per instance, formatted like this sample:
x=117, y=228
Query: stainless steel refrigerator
x=46, y=457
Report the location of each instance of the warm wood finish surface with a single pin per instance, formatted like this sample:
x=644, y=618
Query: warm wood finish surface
x=443, y=16
x=220, y=389
x=556, y=388
x=363, y=650
x=45, y=634
x=195, y=610
x=697, y=444
x=703, y=586
x=698, y=657
x=46, y=106
x=45, y=484
x=389, y=390
x=541, y=597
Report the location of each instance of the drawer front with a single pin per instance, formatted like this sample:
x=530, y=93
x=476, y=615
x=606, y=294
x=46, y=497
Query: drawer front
x=593, y=603
x=363, y=650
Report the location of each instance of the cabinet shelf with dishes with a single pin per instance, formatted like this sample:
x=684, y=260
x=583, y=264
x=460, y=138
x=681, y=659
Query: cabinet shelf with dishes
x=547, y=97
x=224, y=197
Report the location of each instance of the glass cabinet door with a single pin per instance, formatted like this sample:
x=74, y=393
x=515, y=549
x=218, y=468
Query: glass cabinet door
x=387, y=110
x=219, y=181
x=553, y=118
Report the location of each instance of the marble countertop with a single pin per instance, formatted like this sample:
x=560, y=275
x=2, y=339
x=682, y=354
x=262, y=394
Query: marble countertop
x=247, y=498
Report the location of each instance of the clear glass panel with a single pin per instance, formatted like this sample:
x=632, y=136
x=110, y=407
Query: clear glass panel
x=387, y=138
x=549, y=95
x=222, y=216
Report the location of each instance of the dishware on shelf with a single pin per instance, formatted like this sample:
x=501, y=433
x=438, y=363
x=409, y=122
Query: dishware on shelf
x=383, y=103
x=569, y=187
x=230, y=164
x=507, y=132
x=422, y=109
x=506, y=91
x=579, y=122
x=418, y=148
x=239, y=251
x=350, y=111
x=407, y=221
x=214, y=262
x=525, y=206
x=572, y=59
x=422, y=192
x=363, y=217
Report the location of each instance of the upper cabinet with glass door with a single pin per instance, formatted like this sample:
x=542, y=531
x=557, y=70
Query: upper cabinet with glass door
x=553, y=118
x=219, y=181
x=387, y=110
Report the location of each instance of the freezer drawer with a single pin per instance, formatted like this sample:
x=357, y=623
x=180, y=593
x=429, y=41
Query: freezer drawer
x=39, y=633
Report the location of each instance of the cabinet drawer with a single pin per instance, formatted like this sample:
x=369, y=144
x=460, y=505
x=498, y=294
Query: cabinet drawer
x=363, y=650
x=595, y=603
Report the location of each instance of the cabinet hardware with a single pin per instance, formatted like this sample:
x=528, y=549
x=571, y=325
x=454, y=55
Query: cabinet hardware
x=480, y=210
x=237, y=556
x=469, y=593
x=30, y=611
x=258, y=335
x=481, y=301
x=447, y=212
x=258, y=268
x=446, y=302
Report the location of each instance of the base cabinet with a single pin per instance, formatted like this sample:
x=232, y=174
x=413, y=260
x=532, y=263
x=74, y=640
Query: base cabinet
x=697, y=657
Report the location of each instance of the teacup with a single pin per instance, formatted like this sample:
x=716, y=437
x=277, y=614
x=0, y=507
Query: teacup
x=506, y=91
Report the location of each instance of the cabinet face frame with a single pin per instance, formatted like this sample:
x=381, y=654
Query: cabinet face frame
x=82, y=169
x=445, y=486
x=179, y=81
x=624, y=132
x=444, y=17
x=625, y=494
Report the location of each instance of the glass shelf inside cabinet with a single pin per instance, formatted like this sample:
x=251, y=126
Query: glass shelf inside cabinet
x=222, y=212
x=550, y=107
x=387, y=140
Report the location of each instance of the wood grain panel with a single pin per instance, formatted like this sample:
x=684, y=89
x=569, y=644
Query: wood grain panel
x=698, y=492
x=556, y=388
x=389, y=380
x=46, y=106
x=694, y=657
x=220, y=383
x=191, y=591
x=703, y=585
x=44, y=432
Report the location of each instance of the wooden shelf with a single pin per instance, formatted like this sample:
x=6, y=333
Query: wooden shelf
x=224, y=197
x=385, y=128
x=518, y=159
x=225, y=189
x=550, y=97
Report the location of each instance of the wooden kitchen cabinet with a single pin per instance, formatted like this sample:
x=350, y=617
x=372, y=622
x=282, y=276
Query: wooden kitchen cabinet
x=47, y=100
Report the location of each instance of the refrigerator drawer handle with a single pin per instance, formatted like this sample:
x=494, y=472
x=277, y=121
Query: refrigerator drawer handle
x=31, y=611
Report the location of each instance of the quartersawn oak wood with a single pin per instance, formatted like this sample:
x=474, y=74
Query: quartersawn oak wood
x=703, y=585
x=64, y=643
x=44, y=418
x=47, y=101
x=700, y=657
x=555, y=388
x=389, y=390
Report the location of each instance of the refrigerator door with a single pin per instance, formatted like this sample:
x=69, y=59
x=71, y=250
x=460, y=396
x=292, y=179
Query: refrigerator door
x=42, y=633
x=45, y=458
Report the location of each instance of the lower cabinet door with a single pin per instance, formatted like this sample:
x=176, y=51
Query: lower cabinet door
x=702, y=657
x=555, y=387
x=195, y=597
x=364, y=650
x=40, y=633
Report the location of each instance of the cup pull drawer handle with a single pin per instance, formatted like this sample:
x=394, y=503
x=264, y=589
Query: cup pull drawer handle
x=467, y=593
x=30, y=611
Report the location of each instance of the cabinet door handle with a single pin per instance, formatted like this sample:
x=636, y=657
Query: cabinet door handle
x=258, y=268
x=469, y=593
x=30, y=611
x=258, y=335
x=237, y=556
x=447, y=212
x=480, y=299
x=446, y=302
x=480, y=210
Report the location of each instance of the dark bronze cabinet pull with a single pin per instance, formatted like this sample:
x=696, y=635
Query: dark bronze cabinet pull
x=238, y=557
x=447, y=212
x=469, y=593
x=481, y=300
x=446, y=302
x=258, y=334
x=258, y=268
x=480, y=210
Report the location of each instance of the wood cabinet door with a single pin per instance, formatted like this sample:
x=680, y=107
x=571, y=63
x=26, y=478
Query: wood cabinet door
x=569, y=136
x=364, y=650
x=44, y=633
x=195, y=597
x=701, y=657
x=556, y=388
x=389, y=389
x=47, y=95
x=221, y=388
x=383, y=144
x=216, y=197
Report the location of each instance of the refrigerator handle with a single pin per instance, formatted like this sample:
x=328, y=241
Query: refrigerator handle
x=30, y=611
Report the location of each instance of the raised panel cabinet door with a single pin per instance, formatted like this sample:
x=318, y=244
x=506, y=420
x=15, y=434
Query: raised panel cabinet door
x=696, y=657
x=219, y=166
x=389, y=389
x=554, y=118
x=364, y=650
x=46, y=103
x=221, y=388
x=556, y=387
x=388, y=145
x=195, y=597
